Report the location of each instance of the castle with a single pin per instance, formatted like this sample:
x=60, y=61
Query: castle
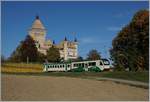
x=67, y=49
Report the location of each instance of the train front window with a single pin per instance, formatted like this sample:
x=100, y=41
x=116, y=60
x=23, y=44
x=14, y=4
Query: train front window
x=106, y=62
x=101, y=63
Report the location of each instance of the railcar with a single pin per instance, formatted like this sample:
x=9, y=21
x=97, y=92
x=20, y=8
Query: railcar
x=103, y=64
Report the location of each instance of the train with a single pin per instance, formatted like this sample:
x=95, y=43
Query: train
x=102, y=64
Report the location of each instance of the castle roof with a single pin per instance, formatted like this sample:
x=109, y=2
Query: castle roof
x=37, y=24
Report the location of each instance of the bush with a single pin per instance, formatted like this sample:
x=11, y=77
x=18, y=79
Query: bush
x=79, y=69
x=94, y=69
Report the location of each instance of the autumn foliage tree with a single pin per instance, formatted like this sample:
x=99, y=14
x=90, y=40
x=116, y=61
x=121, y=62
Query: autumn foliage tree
x=26, y=50
x=130, y=48
x=93, y=55
x=29, y=50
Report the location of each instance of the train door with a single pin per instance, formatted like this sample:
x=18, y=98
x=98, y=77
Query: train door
x=86, y=66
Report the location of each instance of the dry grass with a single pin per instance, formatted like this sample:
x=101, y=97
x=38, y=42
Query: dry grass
x=21, y=67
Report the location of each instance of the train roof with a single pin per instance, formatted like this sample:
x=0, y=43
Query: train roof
x=92, y=60
x=104, y=59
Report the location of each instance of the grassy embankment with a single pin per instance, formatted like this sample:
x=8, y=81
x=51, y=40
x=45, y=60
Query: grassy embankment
x=21, y=68
x=36, y=69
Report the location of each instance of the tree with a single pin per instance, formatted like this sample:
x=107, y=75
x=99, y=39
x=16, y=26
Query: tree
x=93, y=55
x=26, y=49
x=131, y=45
x=29, y=50
x=41, y=57
x=80, y=58
x=53, y=54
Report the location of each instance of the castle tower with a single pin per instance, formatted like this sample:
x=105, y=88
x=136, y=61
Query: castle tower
x=76, y=47
x=38, y=31
x=65, y=49
x=70, y=49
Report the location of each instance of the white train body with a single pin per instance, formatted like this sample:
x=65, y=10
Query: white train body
x=102, y=64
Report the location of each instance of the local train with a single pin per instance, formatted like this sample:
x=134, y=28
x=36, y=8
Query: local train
x=103, y=64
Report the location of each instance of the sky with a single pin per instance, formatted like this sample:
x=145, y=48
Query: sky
x=95, y=23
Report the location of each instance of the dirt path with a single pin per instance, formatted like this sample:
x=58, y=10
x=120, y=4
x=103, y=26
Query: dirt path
x=42, y=88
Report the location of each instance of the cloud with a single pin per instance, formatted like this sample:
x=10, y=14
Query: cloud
x=114, y=28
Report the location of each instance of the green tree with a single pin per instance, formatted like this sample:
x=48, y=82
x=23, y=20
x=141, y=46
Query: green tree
x=131, y=45
x=41, y=57
x=93, y=55
x=53, y=54
x=80, y=58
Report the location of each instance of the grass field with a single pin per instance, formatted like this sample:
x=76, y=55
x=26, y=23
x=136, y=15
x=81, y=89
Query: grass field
x=36, y=69
x=20, y=68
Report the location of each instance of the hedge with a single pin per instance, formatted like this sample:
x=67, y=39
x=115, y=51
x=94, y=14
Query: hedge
x=94, y=69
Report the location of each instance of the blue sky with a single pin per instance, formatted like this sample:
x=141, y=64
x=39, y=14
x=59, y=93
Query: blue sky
x=95, y=23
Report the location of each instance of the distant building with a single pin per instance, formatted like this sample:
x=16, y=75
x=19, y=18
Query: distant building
x=67, y=49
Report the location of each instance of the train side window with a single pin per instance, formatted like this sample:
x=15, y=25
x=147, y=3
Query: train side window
x=92, y=63
x=63, y=66
x=101, y=63
x=79, y=64
x=60, y=66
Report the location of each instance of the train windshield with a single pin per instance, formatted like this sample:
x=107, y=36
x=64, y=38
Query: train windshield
x=106, y=62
